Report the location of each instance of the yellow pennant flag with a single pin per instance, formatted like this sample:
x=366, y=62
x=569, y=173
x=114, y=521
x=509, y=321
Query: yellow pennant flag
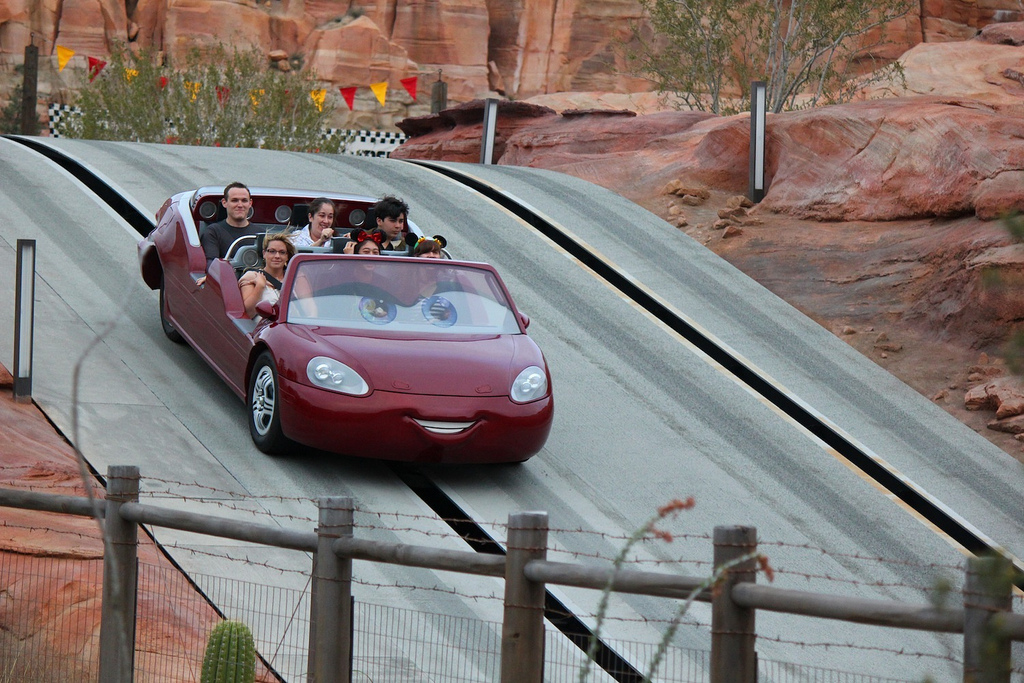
x=192, y=87
x=381, y=91
x=318, y=98
x=64, y=55
x=129, y=74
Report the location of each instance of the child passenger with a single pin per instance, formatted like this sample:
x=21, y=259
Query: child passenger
x=430, y=247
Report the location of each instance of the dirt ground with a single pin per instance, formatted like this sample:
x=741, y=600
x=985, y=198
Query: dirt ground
x=900, y=292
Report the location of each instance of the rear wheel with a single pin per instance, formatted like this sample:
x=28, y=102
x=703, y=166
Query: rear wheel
x=168, y=328
x=264, y=406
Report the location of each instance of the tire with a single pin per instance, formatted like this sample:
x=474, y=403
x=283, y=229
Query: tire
x=263, y=405
x=165, y=324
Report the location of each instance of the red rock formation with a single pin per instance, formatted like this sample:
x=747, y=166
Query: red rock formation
x=877, y=160
x=524, y=48
x=52, y=570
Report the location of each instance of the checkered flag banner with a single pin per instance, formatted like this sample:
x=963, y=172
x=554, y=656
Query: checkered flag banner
x=361, y=143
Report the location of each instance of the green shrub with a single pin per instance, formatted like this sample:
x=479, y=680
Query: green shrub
x=706, y=52
x=214, y=98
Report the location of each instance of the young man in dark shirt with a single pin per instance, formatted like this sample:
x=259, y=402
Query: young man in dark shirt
x=219, y=236
x=392, y=213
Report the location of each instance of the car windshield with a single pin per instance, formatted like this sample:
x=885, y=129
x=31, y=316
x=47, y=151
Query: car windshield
x=375, y=293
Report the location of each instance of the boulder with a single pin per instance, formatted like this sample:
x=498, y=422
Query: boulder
x=865, y=161
x=1010, y=33
x=966, y=69
x=1014, y=425
x=1004, y=395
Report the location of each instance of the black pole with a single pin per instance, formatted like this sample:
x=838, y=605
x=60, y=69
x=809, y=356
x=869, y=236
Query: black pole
x=29, y=91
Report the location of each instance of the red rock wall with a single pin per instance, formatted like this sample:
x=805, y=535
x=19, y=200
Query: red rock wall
x=519, y=48
x=536, y=46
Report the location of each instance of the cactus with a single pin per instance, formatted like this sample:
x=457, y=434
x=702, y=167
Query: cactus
x=230, y=654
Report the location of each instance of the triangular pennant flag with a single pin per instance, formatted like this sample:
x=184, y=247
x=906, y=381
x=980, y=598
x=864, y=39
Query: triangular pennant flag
x=350, y=96
x=318, y=97
x=223, y=92
x=129, y=74
x=410, y=85
x=95, y=67
x=64, y=55
x=162, y=82
x=192, y=87
x=381, y=91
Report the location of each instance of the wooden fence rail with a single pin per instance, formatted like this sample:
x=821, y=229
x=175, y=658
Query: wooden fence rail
x=986, y=619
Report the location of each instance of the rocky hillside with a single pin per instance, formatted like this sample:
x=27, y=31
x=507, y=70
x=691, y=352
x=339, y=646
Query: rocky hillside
x=880, y=219
x=518, y=48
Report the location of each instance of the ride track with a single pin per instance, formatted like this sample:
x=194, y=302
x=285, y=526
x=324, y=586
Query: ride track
x=714, y=351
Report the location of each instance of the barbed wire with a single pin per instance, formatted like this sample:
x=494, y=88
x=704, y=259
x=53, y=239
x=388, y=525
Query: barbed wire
x=870, y=648
x=92, y=536
x=856, y=582
x=859, y=556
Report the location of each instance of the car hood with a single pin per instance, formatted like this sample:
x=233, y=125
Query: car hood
x=472, y=366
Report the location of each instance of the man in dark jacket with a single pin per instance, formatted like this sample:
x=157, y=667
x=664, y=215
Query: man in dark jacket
x=219, y=236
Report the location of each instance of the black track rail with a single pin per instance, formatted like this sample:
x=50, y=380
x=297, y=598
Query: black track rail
x=142, y=223
x=555, y=611
x=891, y=481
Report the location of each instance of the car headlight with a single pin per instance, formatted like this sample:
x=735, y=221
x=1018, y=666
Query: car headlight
x=336, y=376
x=531, y=384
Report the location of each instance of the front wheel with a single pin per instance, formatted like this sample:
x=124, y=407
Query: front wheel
x=264, y=406
x=168, y=328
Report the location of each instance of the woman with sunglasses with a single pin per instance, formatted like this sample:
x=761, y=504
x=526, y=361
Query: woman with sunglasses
x=264, y=284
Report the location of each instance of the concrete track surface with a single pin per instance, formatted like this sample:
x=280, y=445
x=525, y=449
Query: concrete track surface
x=641, y=418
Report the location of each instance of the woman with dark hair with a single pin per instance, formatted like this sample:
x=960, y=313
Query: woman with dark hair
x=365, y=241
x=320, y=229
x=264, y=284
x=430, y=247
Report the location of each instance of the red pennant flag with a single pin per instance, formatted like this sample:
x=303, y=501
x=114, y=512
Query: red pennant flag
x=222, y=93
x=350, y=96
x=410, y=86
x=95, y=67
x=162, y=82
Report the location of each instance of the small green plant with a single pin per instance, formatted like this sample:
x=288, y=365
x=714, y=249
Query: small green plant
x=10, y=118
x=1008, y=283
x=230, y=654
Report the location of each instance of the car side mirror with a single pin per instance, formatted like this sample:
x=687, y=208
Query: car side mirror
x=524, y=319
x=267, y=310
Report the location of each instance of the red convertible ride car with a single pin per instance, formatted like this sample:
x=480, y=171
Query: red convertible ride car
x=385, y=357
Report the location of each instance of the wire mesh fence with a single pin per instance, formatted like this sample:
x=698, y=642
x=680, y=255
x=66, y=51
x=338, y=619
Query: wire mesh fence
x=49, y=631
x=49, y=623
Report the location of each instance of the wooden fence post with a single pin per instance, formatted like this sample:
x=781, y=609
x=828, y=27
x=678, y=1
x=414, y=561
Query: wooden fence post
x=733, y=657
x=120, y=578
x=988, y=591
x=522, y=630
x=330, y=629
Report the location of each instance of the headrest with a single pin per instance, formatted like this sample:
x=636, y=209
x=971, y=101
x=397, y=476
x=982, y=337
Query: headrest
x=300, y=215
